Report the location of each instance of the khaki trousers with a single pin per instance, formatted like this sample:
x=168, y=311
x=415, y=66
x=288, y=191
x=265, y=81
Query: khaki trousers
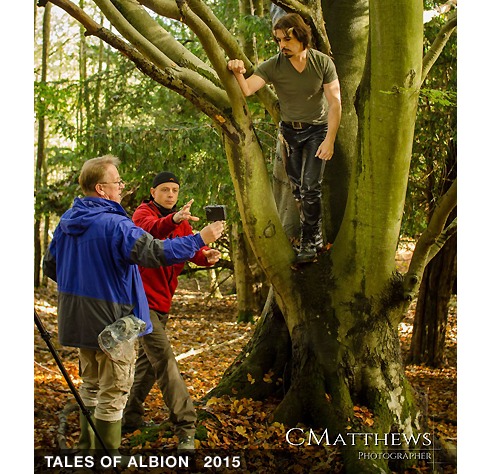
x=105, y=383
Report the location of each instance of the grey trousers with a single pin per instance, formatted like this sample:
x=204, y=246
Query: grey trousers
x=156, y=363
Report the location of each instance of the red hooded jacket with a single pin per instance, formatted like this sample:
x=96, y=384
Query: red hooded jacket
x=160, y=283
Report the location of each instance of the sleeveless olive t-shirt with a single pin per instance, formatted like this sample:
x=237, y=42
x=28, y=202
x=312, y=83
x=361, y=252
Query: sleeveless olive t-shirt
x=300, y=94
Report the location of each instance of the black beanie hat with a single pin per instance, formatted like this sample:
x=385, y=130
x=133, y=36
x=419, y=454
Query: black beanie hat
x=165, y=177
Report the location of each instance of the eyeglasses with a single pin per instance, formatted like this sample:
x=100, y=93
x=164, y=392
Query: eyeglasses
x=119, y=183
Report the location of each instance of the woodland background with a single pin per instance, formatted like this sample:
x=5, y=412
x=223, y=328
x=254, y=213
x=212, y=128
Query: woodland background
x=17, y=114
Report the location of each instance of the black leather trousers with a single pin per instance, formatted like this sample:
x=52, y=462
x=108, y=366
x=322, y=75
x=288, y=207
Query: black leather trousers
x=305, y=172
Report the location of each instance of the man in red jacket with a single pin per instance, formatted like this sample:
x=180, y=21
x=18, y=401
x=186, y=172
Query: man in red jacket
x=156, y=361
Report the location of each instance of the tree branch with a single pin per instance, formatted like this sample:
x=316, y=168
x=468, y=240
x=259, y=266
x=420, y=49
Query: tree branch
x=293, y=6
x=169, y=77
x=163, y=40
x=446, y=234
x=133, y=36
x=429, y=242
x=208, y=38
x=61, y=433
x=438, y=45
x=151, y=52
x=179, y=10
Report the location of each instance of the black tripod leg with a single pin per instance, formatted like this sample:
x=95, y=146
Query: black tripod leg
x=47, y=338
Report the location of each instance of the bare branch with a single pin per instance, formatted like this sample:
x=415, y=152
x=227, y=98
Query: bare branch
x=180, y=11
x=447, y=233
x=429, y=241
x=133, y=36
x=61, y=433
x=73, y=10
x=157, y=35
x=202, y=28
x=437, y=46
x=293, y=6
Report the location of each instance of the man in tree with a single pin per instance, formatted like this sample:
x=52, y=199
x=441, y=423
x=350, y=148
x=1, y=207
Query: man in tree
x=93, y=257
x=156, y=361
x=308, y=90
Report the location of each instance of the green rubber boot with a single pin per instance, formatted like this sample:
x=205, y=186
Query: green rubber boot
x=110, y=432
x=86, y=438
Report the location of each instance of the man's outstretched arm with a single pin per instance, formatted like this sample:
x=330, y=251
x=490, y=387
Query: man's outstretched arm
x=250, y=85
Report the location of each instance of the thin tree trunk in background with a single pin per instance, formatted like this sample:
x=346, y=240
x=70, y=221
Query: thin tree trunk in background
x=97, y=93
x=248, y=41
x=214, y=284
x=46, y=241
x=41, y=148
x=249, y=279
x=35, y=15
x=83, y=99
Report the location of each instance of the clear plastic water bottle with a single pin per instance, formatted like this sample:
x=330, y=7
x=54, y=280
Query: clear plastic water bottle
x=117, y=340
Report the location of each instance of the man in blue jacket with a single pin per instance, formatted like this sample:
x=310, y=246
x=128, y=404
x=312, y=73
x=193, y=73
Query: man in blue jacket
x=94, y=258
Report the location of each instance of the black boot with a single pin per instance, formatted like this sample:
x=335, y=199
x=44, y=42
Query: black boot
x=311, y=241
x=307, y=253
x=318, y=239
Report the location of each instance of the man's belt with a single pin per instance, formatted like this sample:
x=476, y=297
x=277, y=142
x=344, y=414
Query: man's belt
x=297, y=125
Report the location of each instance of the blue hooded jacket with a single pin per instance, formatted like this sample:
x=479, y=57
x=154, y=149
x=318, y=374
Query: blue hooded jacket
x=94, y=258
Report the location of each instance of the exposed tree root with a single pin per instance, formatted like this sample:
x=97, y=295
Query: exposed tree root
x=61, y=436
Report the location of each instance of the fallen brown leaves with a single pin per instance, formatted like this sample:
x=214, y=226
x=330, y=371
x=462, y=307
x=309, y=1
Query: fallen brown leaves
x=439, y=385
x=228, y=422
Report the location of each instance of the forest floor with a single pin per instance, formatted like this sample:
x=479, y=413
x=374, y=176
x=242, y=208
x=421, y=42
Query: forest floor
x=209, y=327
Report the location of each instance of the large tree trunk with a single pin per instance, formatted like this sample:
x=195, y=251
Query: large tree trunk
x=343, y=346
x=347, y=24
x=263, y=367
x=344, y=342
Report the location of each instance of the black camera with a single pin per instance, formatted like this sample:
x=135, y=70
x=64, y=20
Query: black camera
x=216, y=213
